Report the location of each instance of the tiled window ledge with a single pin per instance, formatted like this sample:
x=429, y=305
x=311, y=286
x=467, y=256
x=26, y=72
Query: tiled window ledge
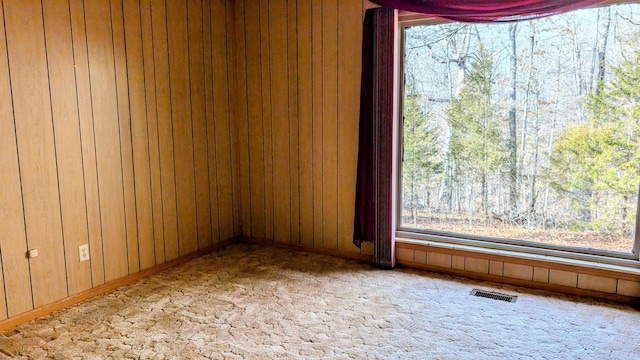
x=533, y=270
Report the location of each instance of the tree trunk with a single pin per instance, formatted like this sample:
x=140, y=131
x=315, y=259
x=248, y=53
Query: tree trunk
x=485, y=195
x=461, y=59
x=577, y=71
x=414, y=216
x=545, y=203
x=534, y=194
x=512, y=142
x=469, y=199
x=447, y=192
x=594, y=53
x=525, y=116
x=602, y=50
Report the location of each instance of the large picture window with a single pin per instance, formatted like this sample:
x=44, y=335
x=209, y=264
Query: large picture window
x=525, y=133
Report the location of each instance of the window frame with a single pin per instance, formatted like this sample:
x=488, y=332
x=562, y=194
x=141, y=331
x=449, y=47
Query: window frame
x=450, y=239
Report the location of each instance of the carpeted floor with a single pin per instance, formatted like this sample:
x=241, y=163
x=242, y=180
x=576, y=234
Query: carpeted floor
x=260, y=302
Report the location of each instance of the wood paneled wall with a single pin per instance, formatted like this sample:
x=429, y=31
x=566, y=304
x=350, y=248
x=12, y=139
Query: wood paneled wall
x=298, y=87
x=115, y=131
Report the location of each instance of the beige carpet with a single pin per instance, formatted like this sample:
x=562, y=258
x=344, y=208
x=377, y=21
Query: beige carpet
x=261, y=302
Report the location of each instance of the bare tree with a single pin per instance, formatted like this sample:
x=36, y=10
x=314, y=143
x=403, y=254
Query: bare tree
x=534, y=176
x=525, y=114
x=602, y=50
x=554, y=117
x=512, y=141
x=577, y=68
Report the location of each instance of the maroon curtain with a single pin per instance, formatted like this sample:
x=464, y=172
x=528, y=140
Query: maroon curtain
x=487, y=10
x=373, y=191
x=364, y=200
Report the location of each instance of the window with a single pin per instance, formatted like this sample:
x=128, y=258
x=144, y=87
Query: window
x=525, y=134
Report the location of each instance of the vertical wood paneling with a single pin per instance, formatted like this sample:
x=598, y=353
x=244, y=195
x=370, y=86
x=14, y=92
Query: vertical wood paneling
x=107, y=137
x=330, y=124
x=126, y=151
x=241, y=118
x=87, y=135
x=280, y=120
x=306, y=144
x=148, y=150
x=165, y=129
x=99, y=106
x=182, y=125
x=36, y=147
x=232, y=62
x=317, y=124
x=13, y=242
x=294, y=108
x=199, y=121
x=64, y=108
x=255, y=118
x=305, y=108
x=222, y=110
x=152, y=130
x=139, y=133
x=267, y=130
x=349, y=60
x=210, y=127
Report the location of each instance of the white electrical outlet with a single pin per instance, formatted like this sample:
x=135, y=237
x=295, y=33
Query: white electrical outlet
x=84, y=252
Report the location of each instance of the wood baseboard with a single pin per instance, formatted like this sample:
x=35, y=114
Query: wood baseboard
x=110, y=286
x=342, y=254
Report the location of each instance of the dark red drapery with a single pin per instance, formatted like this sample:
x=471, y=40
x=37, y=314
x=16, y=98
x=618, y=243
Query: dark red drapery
x=373, y=191
x=364, y=219
x=487, y=10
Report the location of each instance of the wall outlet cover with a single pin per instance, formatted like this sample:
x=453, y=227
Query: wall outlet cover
x=84, y=252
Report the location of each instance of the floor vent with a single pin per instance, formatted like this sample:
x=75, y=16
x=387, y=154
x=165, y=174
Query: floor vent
x=494, y=296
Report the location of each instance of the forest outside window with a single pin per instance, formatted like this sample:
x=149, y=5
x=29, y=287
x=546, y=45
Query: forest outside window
x=524, y=133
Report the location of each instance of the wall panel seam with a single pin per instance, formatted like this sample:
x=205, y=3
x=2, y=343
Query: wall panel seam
x=84, y=182
x=15, y=133
x=124, y=200
x=313, y=165
x=173, y=143
x=146, y=118
x=298, y=127
x=230, y=107
x=213, y=119
x=135, y=197
x=264, y=170
x=55, y=148
x=95, y=148
x=273, y=210
x=204, y=84
x=246, y=86
x=193, y=142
